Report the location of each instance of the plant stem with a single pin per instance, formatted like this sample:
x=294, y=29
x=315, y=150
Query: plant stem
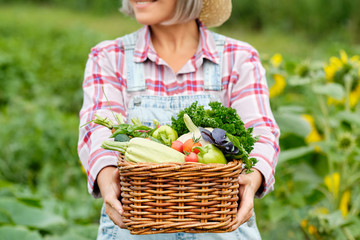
x=109, y=103
x=348, y=82
x=325, y=112
x=327, y=129
x=348, y=233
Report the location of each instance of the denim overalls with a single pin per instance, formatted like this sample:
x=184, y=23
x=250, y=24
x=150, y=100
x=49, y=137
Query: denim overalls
x=162, y=108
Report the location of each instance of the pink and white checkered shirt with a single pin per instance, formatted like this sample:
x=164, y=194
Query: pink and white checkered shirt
x=244, y=88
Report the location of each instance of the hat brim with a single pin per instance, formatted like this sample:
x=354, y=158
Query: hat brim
x=215, y=12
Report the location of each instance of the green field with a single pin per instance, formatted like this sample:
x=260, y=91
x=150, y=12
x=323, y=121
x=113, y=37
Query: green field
x=315, y=92
x=269, y=41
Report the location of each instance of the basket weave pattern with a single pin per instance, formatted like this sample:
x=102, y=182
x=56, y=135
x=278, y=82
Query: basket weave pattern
x=179, y=197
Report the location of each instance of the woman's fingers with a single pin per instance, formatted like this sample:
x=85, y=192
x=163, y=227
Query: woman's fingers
x=114, y=214
x=114, y=209
x=246, y=206
x=109, y=184
x=115, y=204
x=246, y=195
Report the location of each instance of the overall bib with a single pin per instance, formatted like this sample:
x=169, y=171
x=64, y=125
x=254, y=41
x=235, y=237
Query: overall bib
x=147, y=108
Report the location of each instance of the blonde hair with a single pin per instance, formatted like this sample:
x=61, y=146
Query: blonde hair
x=185, y=10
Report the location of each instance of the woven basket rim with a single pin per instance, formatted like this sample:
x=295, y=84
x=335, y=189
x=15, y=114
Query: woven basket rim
x=122, y=163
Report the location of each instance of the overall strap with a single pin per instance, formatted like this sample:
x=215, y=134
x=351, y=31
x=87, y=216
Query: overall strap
x=213, y=71
x=134, y=71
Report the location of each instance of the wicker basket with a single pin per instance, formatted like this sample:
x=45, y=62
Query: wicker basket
x=179, y=197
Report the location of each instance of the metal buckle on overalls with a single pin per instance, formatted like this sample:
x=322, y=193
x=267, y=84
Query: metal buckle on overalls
x=137, y=101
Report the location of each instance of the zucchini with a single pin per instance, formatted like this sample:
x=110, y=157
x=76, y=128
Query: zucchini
x=144, y=150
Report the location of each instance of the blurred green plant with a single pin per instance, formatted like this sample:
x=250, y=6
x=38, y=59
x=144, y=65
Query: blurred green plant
x=41, y=71
x=40, y=97
x=308, y=16
x=318, y=112
x=315, y=102
x=30, y=216
x=95, y=6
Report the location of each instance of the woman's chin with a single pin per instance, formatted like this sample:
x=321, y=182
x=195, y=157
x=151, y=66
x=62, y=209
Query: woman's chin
x=149, y=20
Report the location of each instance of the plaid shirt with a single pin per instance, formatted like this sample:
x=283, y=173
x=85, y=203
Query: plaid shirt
x=244, y=88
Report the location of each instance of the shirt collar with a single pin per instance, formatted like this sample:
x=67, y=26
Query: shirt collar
x=207, y=45
x=142, y=46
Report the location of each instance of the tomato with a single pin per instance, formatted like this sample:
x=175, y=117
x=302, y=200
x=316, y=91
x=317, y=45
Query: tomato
x=190, y=143
x=177, y=145
x=191, y=157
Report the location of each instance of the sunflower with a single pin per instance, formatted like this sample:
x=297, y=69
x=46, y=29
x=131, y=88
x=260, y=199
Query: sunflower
x=346, y=141
x=340, y=68
x=278, y=87
x=314, y=135
x=276, y=60
x=332, y=182
x=344, y=203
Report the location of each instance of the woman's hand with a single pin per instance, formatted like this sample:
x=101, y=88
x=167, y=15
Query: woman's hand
x=109, y=184
x=249, y=184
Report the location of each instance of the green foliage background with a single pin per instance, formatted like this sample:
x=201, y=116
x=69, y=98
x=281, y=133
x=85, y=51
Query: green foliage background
x=315, y=17
x=43, y=51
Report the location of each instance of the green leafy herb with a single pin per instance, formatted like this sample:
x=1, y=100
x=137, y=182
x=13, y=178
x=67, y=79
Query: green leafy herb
x=222, y=117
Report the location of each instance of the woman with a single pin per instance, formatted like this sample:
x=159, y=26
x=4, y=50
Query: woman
x=171, y=62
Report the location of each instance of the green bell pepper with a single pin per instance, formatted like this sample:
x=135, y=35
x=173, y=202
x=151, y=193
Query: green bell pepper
x=210, y=154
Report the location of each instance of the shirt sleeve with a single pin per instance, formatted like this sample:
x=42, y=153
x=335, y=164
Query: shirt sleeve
x=250, y=97
x=102, y=88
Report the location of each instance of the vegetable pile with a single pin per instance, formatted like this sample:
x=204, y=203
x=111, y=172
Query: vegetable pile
x=220, y=117
x=215, y=135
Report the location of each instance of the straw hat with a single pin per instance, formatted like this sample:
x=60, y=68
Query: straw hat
x=215, y=12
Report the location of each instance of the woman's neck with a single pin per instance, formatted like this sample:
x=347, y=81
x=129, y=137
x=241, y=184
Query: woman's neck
x=173, y=37
x=179, y=41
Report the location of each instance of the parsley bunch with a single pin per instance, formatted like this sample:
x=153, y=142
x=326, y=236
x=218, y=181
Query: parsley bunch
x=222, y=117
